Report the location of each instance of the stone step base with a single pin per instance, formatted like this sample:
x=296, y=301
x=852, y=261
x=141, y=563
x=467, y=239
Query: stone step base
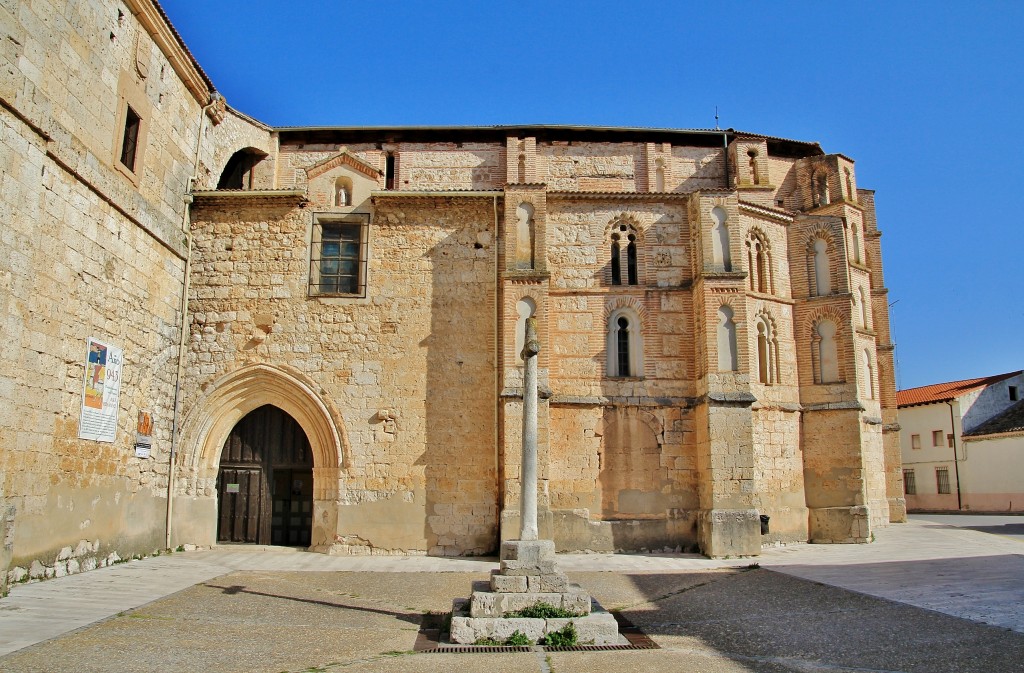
x=497, y=604
x=597, y=628
x=551, y=583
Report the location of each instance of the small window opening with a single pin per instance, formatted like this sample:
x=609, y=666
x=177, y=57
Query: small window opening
x=936, y=437
x=130, y=140
x=389, y=171
x=624, y=236
x=616, y=266
x=915, y=442
x=631, y=260
x=622, y=343
x=755, y=178
x=821, y=194
x=1013, y=394
x=522, y=168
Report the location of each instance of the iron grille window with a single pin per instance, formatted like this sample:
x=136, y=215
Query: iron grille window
x=338, y=257
x=942, y=479
x=909, y=483
x=130, y=140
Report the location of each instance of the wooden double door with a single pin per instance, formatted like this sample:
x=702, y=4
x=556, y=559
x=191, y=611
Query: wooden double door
x=265, y=482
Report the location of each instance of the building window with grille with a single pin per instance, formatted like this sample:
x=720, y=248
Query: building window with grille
x=909, y=483
x=338, y=257
x=942, y=479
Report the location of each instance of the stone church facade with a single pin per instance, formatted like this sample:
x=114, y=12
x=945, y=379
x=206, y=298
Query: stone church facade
x=325, y=323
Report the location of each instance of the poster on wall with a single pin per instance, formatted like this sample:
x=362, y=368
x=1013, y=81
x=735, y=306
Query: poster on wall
x=101, y=392
x=144, y=435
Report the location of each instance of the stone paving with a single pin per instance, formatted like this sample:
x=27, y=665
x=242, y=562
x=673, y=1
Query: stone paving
x=221, y=608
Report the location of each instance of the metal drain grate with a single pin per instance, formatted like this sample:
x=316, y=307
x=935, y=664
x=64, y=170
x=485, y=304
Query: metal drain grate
x=478, y=649
x=598, y=648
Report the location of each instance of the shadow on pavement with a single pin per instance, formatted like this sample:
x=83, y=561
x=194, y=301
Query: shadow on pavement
x=412, y=618
x=763, y=620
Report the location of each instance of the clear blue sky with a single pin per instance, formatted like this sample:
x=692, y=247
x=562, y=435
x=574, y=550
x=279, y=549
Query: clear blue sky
x=926, y=97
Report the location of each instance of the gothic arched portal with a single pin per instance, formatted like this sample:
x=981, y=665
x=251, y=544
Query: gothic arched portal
x=265, y=481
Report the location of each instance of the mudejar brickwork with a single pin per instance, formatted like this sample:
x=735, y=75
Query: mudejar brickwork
x=326, y=323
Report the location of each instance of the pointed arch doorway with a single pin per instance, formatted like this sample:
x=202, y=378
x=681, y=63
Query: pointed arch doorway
x=265, y=481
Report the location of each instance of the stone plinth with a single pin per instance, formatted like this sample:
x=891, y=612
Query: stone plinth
x=597, y=628
x=528, y=576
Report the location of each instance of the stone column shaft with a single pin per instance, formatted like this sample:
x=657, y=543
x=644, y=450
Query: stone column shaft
x=528, y=476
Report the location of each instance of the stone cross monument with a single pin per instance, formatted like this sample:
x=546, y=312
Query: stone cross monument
x=528, y=575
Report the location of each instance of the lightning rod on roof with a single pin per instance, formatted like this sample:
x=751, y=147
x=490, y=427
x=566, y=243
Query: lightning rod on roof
x=716, y=119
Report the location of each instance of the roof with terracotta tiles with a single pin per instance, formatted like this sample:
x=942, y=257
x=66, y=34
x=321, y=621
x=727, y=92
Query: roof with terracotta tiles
x=942, y=392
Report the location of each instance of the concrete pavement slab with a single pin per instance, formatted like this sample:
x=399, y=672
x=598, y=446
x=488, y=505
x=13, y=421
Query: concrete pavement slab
x=36, y=612
x=932, y=565
x=728, y=621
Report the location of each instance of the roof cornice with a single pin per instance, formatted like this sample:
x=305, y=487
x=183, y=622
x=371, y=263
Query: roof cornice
x=156, y=22
x=765, y=211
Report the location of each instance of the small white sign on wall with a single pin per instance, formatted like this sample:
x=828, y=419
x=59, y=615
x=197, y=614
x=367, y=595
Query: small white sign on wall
x=101, y=391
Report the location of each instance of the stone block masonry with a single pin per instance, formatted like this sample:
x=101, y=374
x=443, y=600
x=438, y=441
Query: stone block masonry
x=713, y=322
x=421, y=480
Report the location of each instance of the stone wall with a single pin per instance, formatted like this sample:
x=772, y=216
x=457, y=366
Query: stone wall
x=96, y=250
x=409, y=391
x=421, y=345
